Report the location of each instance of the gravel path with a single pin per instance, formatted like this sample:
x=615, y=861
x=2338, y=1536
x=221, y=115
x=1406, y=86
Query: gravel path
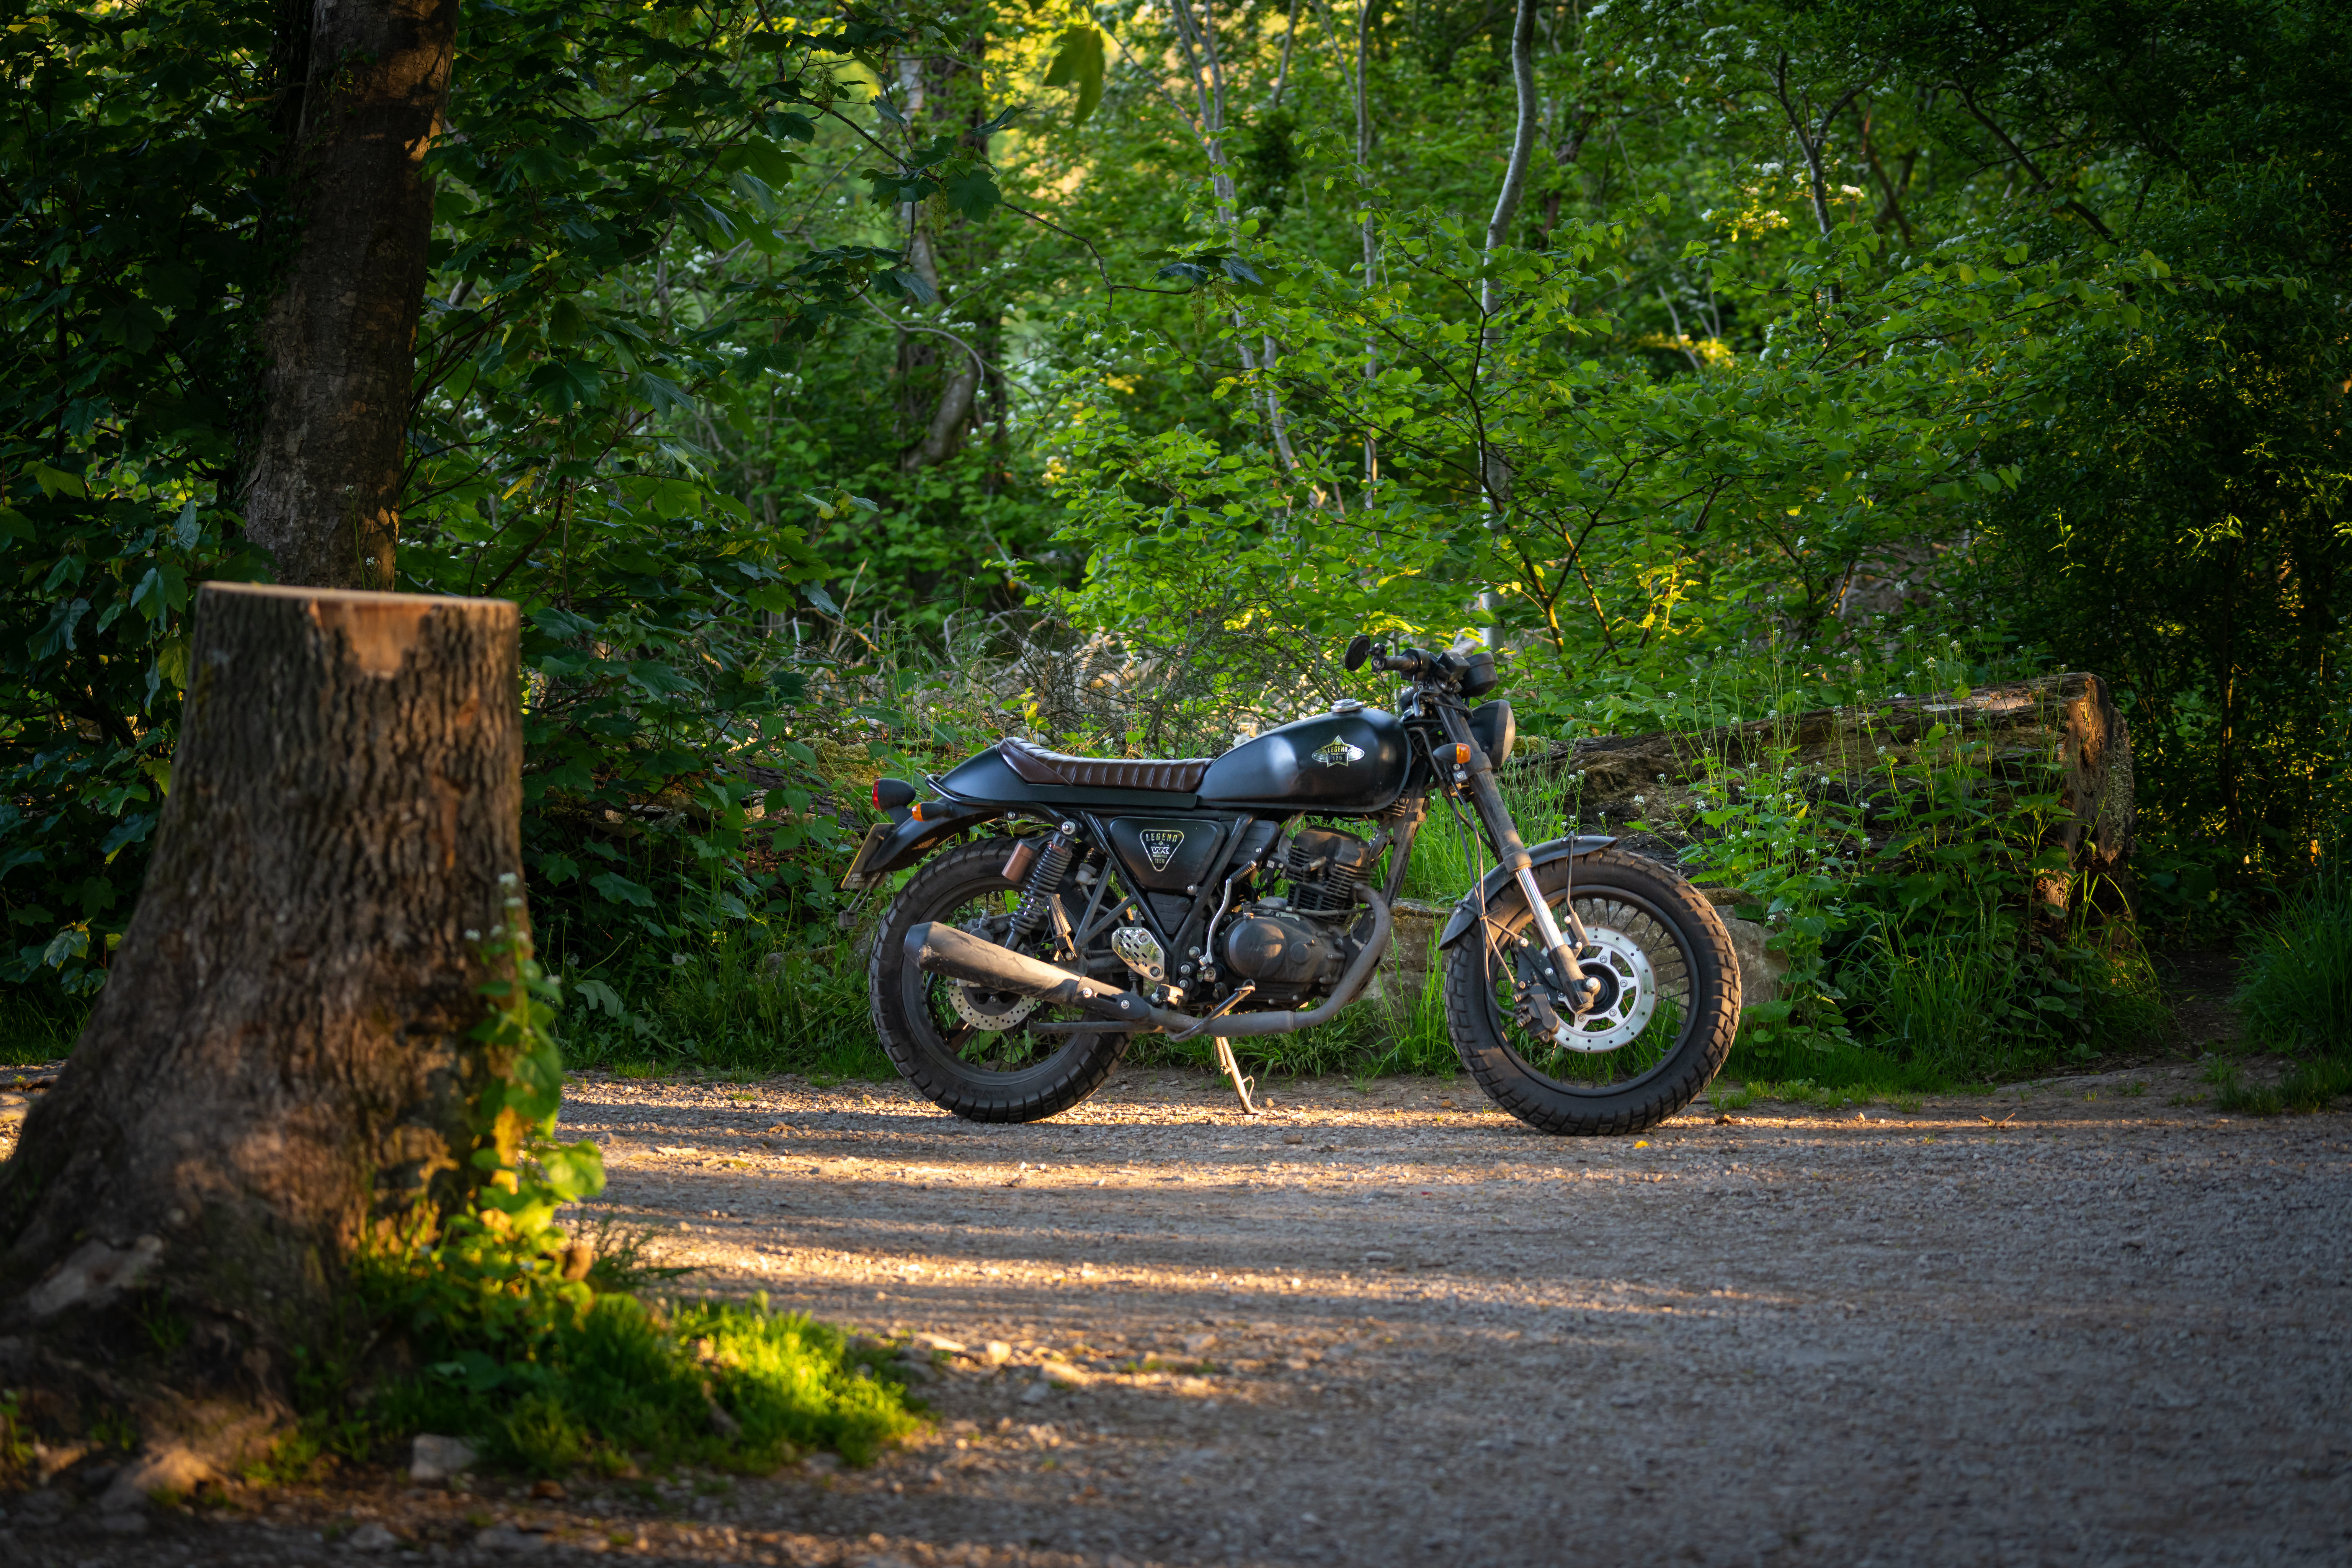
x=1391, y=1326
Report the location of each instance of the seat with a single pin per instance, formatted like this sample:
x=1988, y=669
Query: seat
x=1168, y=775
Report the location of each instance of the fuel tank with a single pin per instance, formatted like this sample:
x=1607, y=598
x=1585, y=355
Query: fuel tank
x=1348, y=762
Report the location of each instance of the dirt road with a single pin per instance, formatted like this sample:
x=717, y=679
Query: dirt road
x=1374, y=1328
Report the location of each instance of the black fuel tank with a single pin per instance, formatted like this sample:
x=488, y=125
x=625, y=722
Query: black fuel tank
x=1351, y=762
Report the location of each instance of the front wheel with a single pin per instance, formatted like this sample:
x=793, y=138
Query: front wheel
x=1661, y=1025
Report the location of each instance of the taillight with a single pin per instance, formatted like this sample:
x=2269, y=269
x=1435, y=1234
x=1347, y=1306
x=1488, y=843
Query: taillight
x=889, y=794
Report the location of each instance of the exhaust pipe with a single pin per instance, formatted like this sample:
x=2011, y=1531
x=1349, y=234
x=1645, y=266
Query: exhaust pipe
x=938, y=948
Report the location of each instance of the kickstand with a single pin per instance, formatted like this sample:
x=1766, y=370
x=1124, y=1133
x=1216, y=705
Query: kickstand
x=1241, y=1086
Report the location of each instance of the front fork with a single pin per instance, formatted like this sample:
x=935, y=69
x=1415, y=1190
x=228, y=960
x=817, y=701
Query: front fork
x=1475, y=771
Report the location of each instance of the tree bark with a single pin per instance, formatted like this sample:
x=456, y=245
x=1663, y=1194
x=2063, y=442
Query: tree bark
x=322, y=492
x=282, y=1058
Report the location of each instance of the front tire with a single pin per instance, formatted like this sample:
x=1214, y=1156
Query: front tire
x=1005, y=1074
x=1639, y=1060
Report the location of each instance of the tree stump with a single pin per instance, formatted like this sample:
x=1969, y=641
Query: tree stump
x=281, y=1056
x=2068, y=721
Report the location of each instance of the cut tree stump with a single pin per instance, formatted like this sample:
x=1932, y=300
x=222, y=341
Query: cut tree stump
x=2067, y=720
x=281, y=1056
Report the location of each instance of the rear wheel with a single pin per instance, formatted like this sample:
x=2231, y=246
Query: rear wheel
x=1661, y=1025
x=966, y=1049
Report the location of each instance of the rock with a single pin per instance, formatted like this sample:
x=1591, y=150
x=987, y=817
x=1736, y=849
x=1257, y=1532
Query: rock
x=1037, y=1393
x=938, y=1343
x=548, y=1489
x=170, y=1468
x=431, y=1458
x=1197, y=1344
x=370, y=1537
x=506, y=1537
x=996, y=1353
x=1761, y=968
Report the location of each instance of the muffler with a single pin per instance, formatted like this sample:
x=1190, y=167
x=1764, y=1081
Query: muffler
x=935, y=948
x=938, y=948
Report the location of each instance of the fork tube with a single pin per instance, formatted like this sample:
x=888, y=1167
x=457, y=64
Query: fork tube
x=1513, y=852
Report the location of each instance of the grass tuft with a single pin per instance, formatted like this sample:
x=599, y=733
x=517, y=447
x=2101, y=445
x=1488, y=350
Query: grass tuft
x=726, y=1386
x=2297, y=990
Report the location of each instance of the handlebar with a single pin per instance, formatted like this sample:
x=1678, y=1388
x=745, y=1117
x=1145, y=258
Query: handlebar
x=1472, y=668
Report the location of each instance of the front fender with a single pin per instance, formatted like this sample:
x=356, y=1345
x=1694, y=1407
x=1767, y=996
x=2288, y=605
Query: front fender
x=891, y=847
x=1497, y=882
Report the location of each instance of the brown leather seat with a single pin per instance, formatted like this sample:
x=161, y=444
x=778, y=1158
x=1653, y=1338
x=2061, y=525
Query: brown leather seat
x=1178, y=775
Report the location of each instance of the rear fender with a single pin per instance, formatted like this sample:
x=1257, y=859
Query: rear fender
x=894, y=847
x=1497, y=885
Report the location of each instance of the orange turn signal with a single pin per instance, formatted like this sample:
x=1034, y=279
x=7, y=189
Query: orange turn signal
x=1461, y=756
x=915, y=811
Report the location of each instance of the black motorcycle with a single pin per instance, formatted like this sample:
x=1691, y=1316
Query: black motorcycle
x=1589, y=989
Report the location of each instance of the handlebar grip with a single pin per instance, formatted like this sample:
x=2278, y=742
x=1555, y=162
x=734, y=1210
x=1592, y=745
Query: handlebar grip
x=1402, y=663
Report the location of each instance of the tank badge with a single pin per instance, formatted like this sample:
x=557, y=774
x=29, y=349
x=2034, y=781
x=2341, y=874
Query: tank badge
x=1160, y=844
x=1339, y=753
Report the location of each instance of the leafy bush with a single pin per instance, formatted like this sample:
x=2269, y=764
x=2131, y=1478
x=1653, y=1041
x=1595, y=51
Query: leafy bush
x=2297, y=990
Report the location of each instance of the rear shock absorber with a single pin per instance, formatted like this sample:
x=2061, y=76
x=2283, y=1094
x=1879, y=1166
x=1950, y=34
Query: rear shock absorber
x=1044, y=880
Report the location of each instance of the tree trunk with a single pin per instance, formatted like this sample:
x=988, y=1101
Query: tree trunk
x=282, y=1055
x=323, y=494
x=2066, y=719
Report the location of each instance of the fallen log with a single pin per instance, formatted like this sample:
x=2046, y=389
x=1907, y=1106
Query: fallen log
x=2059, y=733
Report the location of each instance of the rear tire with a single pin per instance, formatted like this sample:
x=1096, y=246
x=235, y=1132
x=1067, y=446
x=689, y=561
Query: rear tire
x=1007, y=1075
x=1669, y=1047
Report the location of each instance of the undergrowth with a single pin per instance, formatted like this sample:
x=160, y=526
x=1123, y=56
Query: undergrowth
x=540, y=1346
x=2296, y=994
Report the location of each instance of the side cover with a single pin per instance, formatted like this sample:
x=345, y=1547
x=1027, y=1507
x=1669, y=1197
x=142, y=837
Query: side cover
x=1495, y=886
x=1168, y=854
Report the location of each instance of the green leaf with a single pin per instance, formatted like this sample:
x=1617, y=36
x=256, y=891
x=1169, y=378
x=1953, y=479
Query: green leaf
x=563, y=385
x=1079, y=63
x=55, y=482
x=621, y=890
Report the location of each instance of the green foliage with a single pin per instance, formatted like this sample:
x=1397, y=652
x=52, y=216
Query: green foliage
x=2297, y=990
x=732, y=1387
x=2035, y=339
x=531, y=1340
x=2307, y=1087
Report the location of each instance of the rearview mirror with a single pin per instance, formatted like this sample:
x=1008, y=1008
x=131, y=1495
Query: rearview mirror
x=1359, y=648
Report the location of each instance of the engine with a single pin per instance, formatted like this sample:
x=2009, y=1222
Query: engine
x=1280, y=951
x=1323, y=867
x=1296, y=947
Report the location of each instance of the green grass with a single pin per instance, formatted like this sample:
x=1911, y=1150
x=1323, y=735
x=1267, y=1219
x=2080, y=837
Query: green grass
x=1807, y=1092
x=742, y=1004
x=725, y=1385
x=2308, y=1085
x=2297, y=990
x=33, y=1031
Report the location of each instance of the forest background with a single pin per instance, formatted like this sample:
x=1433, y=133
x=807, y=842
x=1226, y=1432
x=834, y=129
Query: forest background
x=836, y=393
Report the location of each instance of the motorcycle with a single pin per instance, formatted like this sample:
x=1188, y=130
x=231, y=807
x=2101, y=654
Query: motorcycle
x=1588, y=989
